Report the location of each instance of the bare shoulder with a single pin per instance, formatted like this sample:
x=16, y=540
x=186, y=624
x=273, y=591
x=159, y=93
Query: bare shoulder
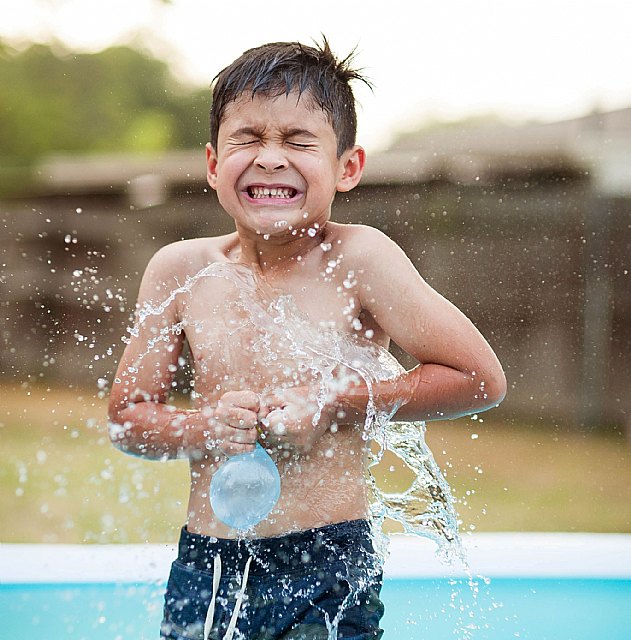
x=364, y=246
x=381, y=268
x=189, y=255
x=172, y=264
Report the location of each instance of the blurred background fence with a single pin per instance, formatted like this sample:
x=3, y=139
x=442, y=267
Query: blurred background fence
x=526, y=229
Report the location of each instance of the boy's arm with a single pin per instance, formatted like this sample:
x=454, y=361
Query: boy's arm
x=459, y=374
x=141, y=421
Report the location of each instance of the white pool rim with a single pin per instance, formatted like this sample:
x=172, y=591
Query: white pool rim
x=493, y=555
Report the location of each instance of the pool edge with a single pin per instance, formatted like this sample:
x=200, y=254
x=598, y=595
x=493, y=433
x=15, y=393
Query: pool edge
x=494, y=555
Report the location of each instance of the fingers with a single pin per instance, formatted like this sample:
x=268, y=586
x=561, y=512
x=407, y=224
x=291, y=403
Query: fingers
x=239, y=439
x=238, y=409
x=264, y=410
x=243, y=436
x=232, y=449
x=237, y=419
x=276, y=422
x=289, y=430
x=244, y=399
x=237, y=426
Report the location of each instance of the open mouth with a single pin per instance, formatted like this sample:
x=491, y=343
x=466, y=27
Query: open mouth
x=259, y=192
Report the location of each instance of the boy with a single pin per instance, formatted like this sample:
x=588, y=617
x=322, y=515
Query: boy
x=282, y=143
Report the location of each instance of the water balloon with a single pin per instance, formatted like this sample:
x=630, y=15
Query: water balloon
x=245, y=489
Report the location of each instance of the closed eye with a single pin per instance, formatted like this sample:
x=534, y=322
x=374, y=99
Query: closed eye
x=301, y=145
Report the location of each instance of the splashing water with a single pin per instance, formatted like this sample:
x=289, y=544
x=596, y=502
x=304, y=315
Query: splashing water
x=334, y=359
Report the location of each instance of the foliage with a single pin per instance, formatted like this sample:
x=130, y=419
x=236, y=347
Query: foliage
x=120, y=99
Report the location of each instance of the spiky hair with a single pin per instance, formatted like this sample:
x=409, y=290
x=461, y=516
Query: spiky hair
x=280, y=68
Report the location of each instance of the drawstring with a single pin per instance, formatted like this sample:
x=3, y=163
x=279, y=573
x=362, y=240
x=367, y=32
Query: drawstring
x=210, y=614
x=233, y=621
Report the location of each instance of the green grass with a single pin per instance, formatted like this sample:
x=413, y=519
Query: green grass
x=534, y=479
x=62, y=481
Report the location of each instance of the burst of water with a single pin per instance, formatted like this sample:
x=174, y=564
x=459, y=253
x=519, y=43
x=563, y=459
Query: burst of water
x=333, y=359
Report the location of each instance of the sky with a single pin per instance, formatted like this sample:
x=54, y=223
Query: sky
x=428, y=61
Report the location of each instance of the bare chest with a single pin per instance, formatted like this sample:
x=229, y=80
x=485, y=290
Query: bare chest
x=244, y=335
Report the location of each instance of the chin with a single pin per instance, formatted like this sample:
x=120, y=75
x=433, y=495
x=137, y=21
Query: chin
x=278, y=223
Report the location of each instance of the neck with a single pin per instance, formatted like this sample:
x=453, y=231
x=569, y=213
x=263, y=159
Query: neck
x=279, y=252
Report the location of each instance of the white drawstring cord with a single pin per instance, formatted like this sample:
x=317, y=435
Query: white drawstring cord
x=210, y=614
x=233, y=620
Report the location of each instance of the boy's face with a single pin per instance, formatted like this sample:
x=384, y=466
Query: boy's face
x=276, y=168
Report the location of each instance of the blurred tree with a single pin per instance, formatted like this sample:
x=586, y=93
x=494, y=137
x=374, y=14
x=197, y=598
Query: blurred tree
x=120, y=99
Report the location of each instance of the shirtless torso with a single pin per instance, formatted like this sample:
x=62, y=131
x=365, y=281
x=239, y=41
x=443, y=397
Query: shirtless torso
x=237, y=344
x=345, y=279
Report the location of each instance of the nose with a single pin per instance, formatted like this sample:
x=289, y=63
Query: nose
x=271, y=159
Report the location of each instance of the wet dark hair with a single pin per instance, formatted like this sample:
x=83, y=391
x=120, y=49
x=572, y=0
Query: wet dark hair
x=279, y=68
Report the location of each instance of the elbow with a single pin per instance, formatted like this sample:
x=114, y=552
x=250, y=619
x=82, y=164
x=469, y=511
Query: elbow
x=119, y=433
x=124, y=438
x=118, y=428
x=492, y=390
x=133, y=434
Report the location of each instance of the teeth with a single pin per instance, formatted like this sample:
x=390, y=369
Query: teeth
x=274, y=192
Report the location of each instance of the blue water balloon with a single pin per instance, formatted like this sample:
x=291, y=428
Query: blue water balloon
x=245, y=489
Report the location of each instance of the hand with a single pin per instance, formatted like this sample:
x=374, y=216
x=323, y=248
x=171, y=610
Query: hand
x=235, y=420
x=290, y=416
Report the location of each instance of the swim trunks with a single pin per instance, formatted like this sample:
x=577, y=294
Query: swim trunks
x=307, y=585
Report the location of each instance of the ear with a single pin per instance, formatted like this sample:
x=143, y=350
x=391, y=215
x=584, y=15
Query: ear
x=353, y=162
x=211, y=166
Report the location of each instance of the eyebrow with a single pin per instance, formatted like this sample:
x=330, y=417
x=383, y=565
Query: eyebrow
x=287, y=133
x=247, y=131
x=296, y=131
